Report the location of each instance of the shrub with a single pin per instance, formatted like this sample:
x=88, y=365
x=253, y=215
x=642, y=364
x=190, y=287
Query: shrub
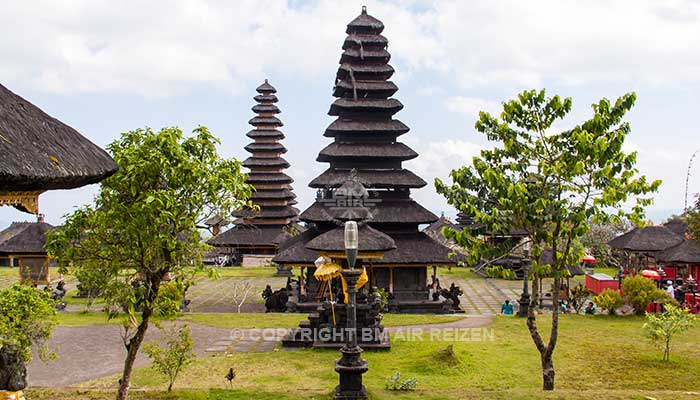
x=177, y=354
x=579, y=294
x=640, y=292
x=395, y=383
x=661, y=327
x=498, y=272
x=609, y=300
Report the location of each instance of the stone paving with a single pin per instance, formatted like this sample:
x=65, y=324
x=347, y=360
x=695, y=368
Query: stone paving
x=485, y=296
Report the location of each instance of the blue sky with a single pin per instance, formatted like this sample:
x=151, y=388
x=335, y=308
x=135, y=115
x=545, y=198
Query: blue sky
x=105, y=67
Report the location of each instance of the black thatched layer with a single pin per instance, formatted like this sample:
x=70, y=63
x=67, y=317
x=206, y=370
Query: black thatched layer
x=294, y=251
x=265, y=162
x=383, y=212
x=265, y=108
x=395, y=150
x=384, y=106
x=249, y=235
x=365, y=40
x=360, y=54
x=268, y=212
x=272, y=194
x=364, y=71
x=365, y=23
x=417, y=248
x=278, y=177
x=648, y=238
x=42, y=153
x=266, y=121
x=266, y=98
x=265, y=133
x=688, y=252
x=334, y=240
x=265, y=147
x=402, y=178
x=266, y=88
x=30, y=240
x=392, y=127
x=365, y=89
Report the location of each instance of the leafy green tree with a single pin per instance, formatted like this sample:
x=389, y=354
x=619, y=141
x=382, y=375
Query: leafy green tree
x=662, y=327
x=26, y=320
x=175, y=356
x=640, y=292
x=609, y=300
x=143, y=225
x=548, y=185
x=693, y=220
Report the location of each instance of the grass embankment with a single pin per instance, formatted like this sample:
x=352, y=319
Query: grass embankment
x=597, y=357
x=248, y=320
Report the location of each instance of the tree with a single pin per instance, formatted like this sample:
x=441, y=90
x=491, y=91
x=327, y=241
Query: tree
x=693, y=220
x=597, y=238
x=662, y=327
x=143, y=225
x=26, y=320
x=175, y=356
x=548, y=185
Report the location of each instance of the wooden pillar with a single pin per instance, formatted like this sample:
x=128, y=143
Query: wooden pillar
x=391, y=280
x=302, y=280
x=434, y=283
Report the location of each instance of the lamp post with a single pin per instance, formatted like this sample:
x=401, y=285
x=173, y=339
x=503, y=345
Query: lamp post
x=351, y=366
x=524, y=302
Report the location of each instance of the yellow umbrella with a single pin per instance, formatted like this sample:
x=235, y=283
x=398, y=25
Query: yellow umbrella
x=325, y=273
x=361, y=281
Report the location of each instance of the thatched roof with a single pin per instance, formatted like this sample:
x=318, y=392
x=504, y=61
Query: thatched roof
x=688, y=252
x=29, y=240
x=334, y=240
x=678, y=226
x=250, y=235
x=384, y=211
x=294, y=251
x=390, y=128
x=42, y=153
x=419, y=249
x=379, y=178
x=646, y=239
x=12, y=230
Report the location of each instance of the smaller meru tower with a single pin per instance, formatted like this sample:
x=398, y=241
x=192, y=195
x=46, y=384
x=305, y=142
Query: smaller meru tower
x=258, y=231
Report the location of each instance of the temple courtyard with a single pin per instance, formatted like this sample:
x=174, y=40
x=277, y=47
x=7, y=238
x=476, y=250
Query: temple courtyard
x=493, y=354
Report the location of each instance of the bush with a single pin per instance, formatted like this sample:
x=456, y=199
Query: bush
x=609, y=300
x=662, y=327
x=395, y=383
x=498, y=272
x=640, y=292
x=177, y=354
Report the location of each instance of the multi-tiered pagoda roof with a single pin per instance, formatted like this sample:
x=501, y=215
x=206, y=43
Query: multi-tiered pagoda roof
x=265, y=225
x=366, y=147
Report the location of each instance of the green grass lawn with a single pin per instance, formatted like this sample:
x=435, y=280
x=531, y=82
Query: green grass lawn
x=243, y=272
x=456, y=272
x=597, y=357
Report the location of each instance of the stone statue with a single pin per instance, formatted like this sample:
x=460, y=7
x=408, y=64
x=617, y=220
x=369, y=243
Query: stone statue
x=275, y=301
x=453, y=294
x=13, y=372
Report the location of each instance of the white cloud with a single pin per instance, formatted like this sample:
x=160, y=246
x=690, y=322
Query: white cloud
x=161, y=48
x=471, y=106
x=436, y=160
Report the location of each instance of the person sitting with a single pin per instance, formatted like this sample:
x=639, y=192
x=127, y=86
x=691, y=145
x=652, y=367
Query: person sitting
x=590, y=309
x=507, y=308
x=565, y=309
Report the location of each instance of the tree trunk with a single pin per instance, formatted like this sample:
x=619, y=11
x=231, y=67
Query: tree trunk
x=547, y=372
x=135, y=342
x=546, y=350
